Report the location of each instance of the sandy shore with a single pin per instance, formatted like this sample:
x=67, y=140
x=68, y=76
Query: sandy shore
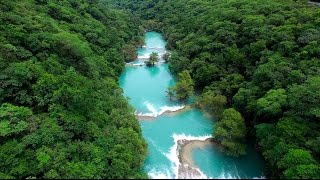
x=187, y=168
x=168, y=112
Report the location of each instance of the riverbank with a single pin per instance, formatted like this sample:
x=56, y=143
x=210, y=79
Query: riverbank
x=164, y=124
x=166, y=112
x=187, y=167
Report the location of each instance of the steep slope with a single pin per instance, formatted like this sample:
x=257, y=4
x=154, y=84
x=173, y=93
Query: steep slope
x=62, y=114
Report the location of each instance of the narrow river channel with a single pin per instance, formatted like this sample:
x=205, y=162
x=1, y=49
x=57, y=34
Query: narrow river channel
x=165, y=123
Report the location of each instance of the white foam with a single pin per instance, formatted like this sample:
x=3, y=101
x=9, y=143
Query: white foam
x=230, y=176
x=173, y=154
x=261, y=177
x=164, y=174
x=224, y=175
x=155, y=48
x=136, y=64
x=153, y=112
x=146, y=56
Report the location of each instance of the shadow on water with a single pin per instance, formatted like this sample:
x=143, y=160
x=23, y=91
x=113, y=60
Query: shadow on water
x=217, y=164
x=153, y=71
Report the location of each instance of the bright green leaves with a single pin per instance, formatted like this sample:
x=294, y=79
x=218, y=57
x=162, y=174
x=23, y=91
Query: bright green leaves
x=304, y=99
x=8, y=129
x=299, y=164
x=13, y=119
x=126, y=156
x=43, y=157
x=310, y=171
x=5, y=128
x=272, y=102
x=296, y=157
x=230, y=131
x=288, y=133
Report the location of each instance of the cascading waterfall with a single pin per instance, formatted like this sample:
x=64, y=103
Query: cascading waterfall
x=169, y=124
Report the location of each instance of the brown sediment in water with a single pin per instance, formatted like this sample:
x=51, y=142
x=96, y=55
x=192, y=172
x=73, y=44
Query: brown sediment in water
x=168, y=112
x=173, y=113
x=187, y=168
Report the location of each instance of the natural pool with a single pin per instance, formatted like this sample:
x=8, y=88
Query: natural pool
x=145, y=87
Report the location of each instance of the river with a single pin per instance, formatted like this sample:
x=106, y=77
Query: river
x=145, y=88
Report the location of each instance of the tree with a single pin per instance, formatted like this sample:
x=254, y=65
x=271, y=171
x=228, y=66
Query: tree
x=154, y=57
x=304, y=99
x=299, y=164
x=62, y=112
x=184, y=87
x=272, y=103
x=166, y=57
x=170, y=93
x=214, y=103
x=231, y=132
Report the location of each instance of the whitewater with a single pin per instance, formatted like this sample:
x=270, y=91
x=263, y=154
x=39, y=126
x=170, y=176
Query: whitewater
x=165, y=123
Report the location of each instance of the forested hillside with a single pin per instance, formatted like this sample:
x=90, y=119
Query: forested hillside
x=62, y=113
x=260, y=58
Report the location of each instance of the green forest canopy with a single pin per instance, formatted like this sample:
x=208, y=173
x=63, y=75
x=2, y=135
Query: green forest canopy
x=62, y=113
x=261, y=58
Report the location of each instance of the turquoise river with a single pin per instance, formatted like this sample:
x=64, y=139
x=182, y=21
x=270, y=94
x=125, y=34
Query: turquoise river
x=145, y=88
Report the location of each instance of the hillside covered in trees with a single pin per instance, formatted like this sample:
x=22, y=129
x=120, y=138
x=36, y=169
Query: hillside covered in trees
x=259, y=58
x=62, y=113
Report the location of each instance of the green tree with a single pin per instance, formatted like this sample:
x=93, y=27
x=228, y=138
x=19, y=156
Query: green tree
x=184, y=87
x=214, y=103
x=303, y=99
x=230, y=132
x=166, y=57
x=154, y=57
x=62, y=111
x=299, y=164
x=272, y=103
x=170, y=93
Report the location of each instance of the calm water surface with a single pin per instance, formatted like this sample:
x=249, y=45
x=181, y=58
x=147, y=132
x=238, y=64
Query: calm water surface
x=145, y=87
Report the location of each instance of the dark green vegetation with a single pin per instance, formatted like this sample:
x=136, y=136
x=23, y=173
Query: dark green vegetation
x=62, y=114
x=166, y=57
x=184, y=87
x=230, y=132
x=260, y=57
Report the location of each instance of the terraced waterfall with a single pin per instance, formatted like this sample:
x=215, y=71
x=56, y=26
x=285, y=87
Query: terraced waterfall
x=175, y=132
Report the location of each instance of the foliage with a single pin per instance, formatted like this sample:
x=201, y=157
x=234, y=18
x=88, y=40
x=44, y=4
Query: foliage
x=214, y=103
x=299, y=164
x=62, y=114
x=166, y=57
x=184, y=87
x=154, y=58
x=262, y=56
x=230, y=131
